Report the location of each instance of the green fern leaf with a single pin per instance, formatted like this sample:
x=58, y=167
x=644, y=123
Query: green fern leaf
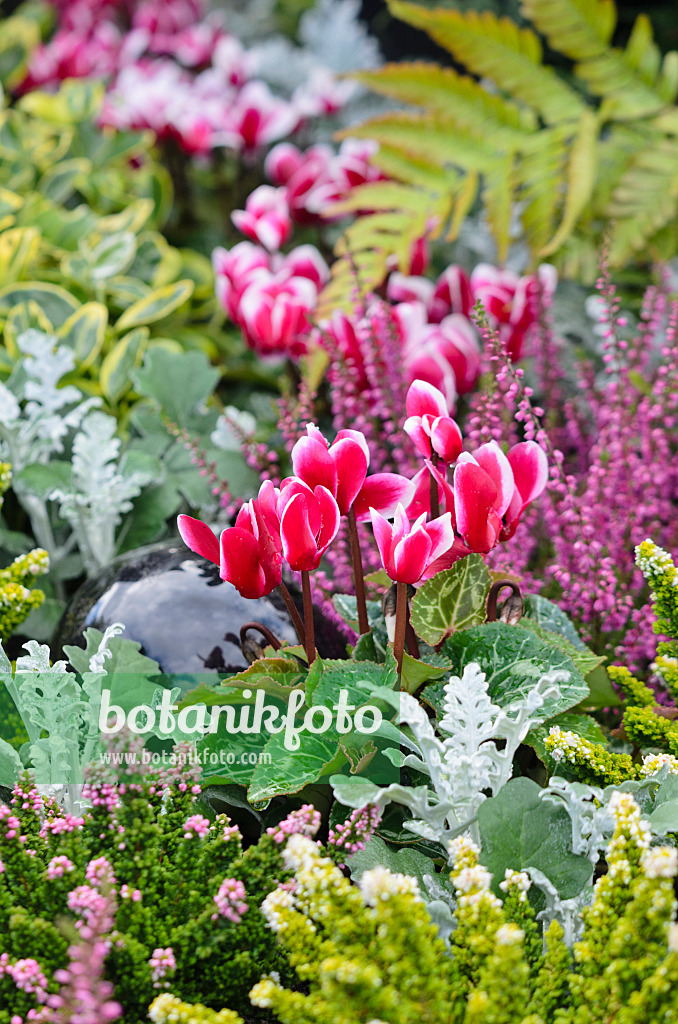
x=498, y=49
x=581, y=177
x=414, y=171
x=499, y=199
x=454, y=96
x=541, y=175
x=581, y=29
x=430, y=138
x=645, y=200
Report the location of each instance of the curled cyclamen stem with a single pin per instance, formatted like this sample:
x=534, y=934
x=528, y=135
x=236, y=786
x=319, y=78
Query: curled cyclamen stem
x=512, y=609
x=294, y=614
x=433, y=490
x=268, y=636
x=358, y=581
x=400, y=624
x=309, y=637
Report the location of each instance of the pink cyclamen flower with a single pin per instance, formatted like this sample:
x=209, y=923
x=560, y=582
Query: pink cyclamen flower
x=248, y=554
x=266, y=217
x=274, y=313
x=407, y=552
x=530, y=473
x=483, y=490
x=452, y=294
x=257, y=117
x=306, y=261
x=342, y=468
x=428, y=424
x=450, y=345
x=234, y=269
x=509, y=300
x=309, y=521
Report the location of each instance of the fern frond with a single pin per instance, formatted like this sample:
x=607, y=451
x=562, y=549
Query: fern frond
x=376, y=242
x=645, y=200
x=498, y=49
x=499, y=198
x=430, y=138
x=542, y=174
x=634, y=82
x=581, y=178
x=414, y=171
x=581, y=29
x=458, y=97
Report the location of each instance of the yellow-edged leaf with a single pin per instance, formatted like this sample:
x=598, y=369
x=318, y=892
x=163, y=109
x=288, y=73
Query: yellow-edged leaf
x=159, y=304
x=85, y=331
x=118, y=364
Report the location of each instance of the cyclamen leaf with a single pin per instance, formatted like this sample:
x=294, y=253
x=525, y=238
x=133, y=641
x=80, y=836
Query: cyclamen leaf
x=586, y=661
x=452, y=600
x=513, y=660
x=551, y=617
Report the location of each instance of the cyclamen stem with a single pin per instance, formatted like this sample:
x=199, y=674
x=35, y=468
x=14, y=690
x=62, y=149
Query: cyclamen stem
x=400, y=624
x=358, y=581
x=309, y=639
x=433, y=490
x=294, y=614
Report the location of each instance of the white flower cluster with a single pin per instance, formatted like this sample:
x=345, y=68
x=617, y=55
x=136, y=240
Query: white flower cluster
x=660, y=862
x=653, y=763
x=516, y=880
x=463, y=851
x=509, y=935
x=274, y=907
x=651, y=560
x=633, y=831
x=473, y=879
x=379, y=884
x=567, y=744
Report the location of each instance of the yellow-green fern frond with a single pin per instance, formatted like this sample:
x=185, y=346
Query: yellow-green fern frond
x=498, y=49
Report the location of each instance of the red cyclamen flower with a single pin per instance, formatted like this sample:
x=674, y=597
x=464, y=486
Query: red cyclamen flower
x=309, y=521
x=342, y=468
x=407, y=552
x=428, y=424
x=249, y=553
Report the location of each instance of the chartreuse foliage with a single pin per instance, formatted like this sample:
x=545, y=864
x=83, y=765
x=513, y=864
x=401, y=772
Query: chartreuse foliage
x=167, y=862
x=570, y=154
x=650, y=728
x=81, y=255
x=372, y=953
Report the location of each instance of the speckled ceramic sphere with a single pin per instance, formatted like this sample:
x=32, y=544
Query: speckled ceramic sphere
x=173, y=603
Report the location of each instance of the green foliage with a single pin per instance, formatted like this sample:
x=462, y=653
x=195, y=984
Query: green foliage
x=291, y=751
x=452, y=600
x=18, y=598
x=519, y=830
x=570, y=154
x=373, y=953
x=166, y=877
x=513, y=659
x=81, y=254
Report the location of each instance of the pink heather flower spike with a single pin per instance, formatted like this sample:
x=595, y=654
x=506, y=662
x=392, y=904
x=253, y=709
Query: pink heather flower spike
x=309, y=521
x=408, y=551
x=428, y=424
x=266, y=217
